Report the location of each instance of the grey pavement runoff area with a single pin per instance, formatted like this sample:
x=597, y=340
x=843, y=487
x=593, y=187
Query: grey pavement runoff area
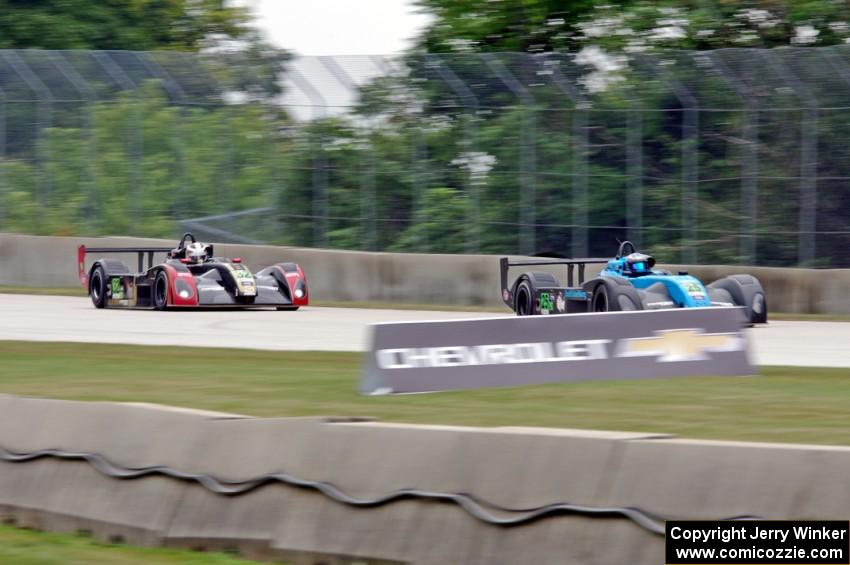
x=73, y=319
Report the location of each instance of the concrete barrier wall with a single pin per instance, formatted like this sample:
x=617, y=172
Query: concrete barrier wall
x=398, y=277
x=510, y=467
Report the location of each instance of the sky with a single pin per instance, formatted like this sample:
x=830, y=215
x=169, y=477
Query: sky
x=339, y=27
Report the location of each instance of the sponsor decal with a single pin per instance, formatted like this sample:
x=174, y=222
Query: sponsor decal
x=561, y=303
x=575, y=294
x=430, y=356
x=680, y=345
x=545, y=302
x=667, y=346
x=661, y=304
x=117, y=289
x=491, y=354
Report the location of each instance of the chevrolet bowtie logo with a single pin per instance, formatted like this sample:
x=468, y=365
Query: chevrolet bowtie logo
x=680, y=345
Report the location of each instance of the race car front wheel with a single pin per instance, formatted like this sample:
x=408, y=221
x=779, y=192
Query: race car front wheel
x=97, y=287
x=600, y=299
x=160, y=291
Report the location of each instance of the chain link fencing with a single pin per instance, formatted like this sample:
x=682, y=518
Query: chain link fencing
x=735, y=156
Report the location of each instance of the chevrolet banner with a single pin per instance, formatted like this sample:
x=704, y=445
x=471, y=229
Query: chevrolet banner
x=510, y=351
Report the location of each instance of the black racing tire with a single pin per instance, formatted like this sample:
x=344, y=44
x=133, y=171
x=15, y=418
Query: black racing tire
x=159, y=292
x=97, y=287
x=288, y=308
x=524, y=300
x=745, y=291
x=601, y=301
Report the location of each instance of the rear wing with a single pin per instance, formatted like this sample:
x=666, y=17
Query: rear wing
x=505, y=263
x=82, y=251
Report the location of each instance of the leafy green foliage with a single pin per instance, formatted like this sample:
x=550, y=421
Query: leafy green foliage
x=636, y=25
x=238, y=56
x=143, y=164
x=442, y=226
x=505, y=25
x=138, y=25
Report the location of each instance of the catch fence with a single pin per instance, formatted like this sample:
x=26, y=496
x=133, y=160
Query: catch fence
x=727, y=156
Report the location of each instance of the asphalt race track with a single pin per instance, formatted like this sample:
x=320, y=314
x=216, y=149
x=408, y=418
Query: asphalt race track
x=60, y=318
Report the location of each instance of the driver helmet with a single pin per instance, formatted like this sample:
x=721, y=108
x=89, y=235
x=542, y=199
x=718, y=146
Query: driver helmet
x=196, y=252
x=639, y=264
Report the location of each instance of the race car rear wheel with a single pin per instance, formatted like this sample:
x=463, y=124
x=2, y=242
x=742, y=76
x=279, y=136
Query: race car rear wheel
x=97, y=287
x=160, y=291
x=600, y=299
x=524, y=306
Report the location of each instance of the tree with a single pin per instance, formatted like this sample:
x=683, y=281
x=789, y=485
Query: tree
x=630, y=25
x=507, y=25
x=137, y=25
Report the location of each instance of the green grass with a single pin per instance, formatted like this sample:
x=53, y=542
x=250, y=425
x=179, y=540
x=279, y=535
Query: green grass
x=44, y=291
x=28, y=547
x=779, y=316
x=781, y=404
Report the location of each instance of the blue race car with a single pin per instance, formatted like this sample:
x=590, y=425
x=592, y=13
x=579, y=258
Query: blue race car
x=628, y=282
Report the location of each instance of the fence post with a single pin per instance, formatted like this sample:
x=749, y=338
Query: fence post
x=134, y=142
x=90, y=208
x=634, y=174
x=3, y=188
x=749, y=161
x=470, y=106
x=634, y=169
x=808, y=159
x=839, y=65
x=528, y=180
x=45, y=113
x=371, y=204
x=174, y=90
x=690, y=164
x=579, y=238
x=320, y=172
x=368, y=237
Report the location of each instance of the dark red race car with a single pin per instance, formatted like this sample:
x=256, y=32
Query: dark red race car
x=189, y=277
